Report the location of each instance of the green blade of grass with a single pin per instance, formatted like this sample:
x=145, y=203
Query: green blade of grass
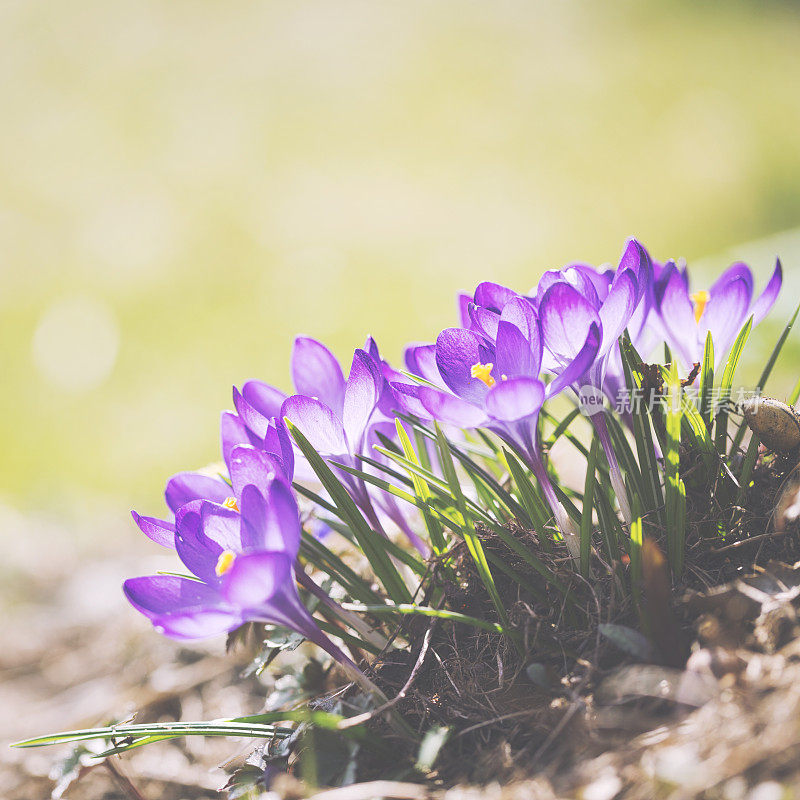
x=795, y=394
x=588, y=507
x=674, y=488
x=370, y=543
x=435, y=532
x=323, y=559
x=747, y=469
x=427, y=611
x=625, y=455
x=474, y=470
x=395, y=550
x=468, y=531
x=636, y=541
x=642, y=434
x=721, y=432
x=561, y=428
x=537, y=514
x=707, y=383
x=767, y=371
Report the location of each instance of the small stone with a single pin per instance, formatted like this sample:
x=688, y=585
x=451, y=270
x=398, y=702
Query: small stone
x=775, y=423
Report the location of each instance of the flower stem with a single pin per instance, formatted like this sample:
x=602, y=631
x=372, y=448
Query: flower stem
x=617, y=481
x=565, y=524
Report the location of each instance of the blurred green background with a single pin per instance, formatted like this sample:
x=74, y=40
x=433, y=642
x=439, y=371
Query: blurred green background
x=185, y=186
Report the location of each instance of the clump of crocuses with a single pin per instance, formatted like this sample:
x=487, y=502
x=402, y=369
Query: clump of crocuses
x=374, y=469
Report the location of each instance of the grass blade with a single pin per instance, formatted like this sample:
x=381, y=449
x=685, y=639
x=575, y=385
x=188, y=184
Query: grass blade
x=674, y=488
x=427, y=611
x=371, y=544
x=588, y=507
x=707, y=383
x=767, y=371
x=721, y=432
x=468, y=530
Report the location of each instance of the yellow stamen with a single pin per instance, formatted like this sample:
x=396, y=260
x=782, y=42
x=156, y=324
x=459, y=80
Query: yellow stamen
x=483, y=372
x=699, y=299
x=230, y=502
x=224, y=562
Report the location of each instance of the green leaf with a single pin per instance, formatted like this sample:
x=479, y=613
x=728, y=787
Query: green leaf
x=674, y=488
x=707, y=383
x=474, y=470
x=721, y=433
x=316, y=553
x=538, y=515
x=471, y=539
x=371, y=544
x=588, y=508
x=747, y=469
x=767, y=371
x=642, y=434
x=434, y=528
x=636, y=541
x=427, y=611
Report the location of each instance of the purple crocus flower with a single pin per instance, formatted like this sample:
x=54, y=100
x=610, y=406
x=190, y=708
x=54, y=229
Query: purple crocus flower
x=242, y=554
x=722, y=310
x=575, y=300
x=490, y=379
x=340, y=418
x=270, y=435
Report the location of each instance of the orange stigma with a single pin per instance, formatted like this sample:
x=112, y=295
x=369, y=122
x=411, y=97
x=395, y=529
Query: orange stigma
x=483, y=372
x=230, y=502
x=224, y=562
x=699, y=299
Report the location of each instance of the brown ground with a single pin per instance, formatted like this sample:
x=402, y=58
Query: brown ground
x=725, y=726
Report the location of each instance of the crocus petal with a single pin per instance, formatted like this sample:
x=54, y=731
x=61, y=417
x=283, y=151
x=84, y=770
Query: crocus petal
x=483, y=321
x=187, y=486
x=251, y=466
x=316, y=373
x=676, y=313
x=200, y=623
x=372, y=350
x=518, y=349
x=408, y=400
x=766, y=299
x=493, y=296
x=265, y=399
x=278, y=443
x=515, y=398
x=421, y=360
x=271, y=521
x=739, y=271
x=167, y=594
x=579, y=366
x=726, y=310
x=159, y=530
x=636, y=260
x=254, y=577
x=452, y=410
x=318, y=424
x=463, y=308
x=457, y=351
x=255, y=422
x=201, y=538
x=616, y=310
x=361, y=395
x=566, y=317
x=221, y=526
x=232, y=433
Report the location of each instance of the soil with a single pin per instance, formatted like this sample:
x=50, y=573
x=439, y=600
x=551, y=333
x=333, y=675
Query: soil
x=710, y=710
